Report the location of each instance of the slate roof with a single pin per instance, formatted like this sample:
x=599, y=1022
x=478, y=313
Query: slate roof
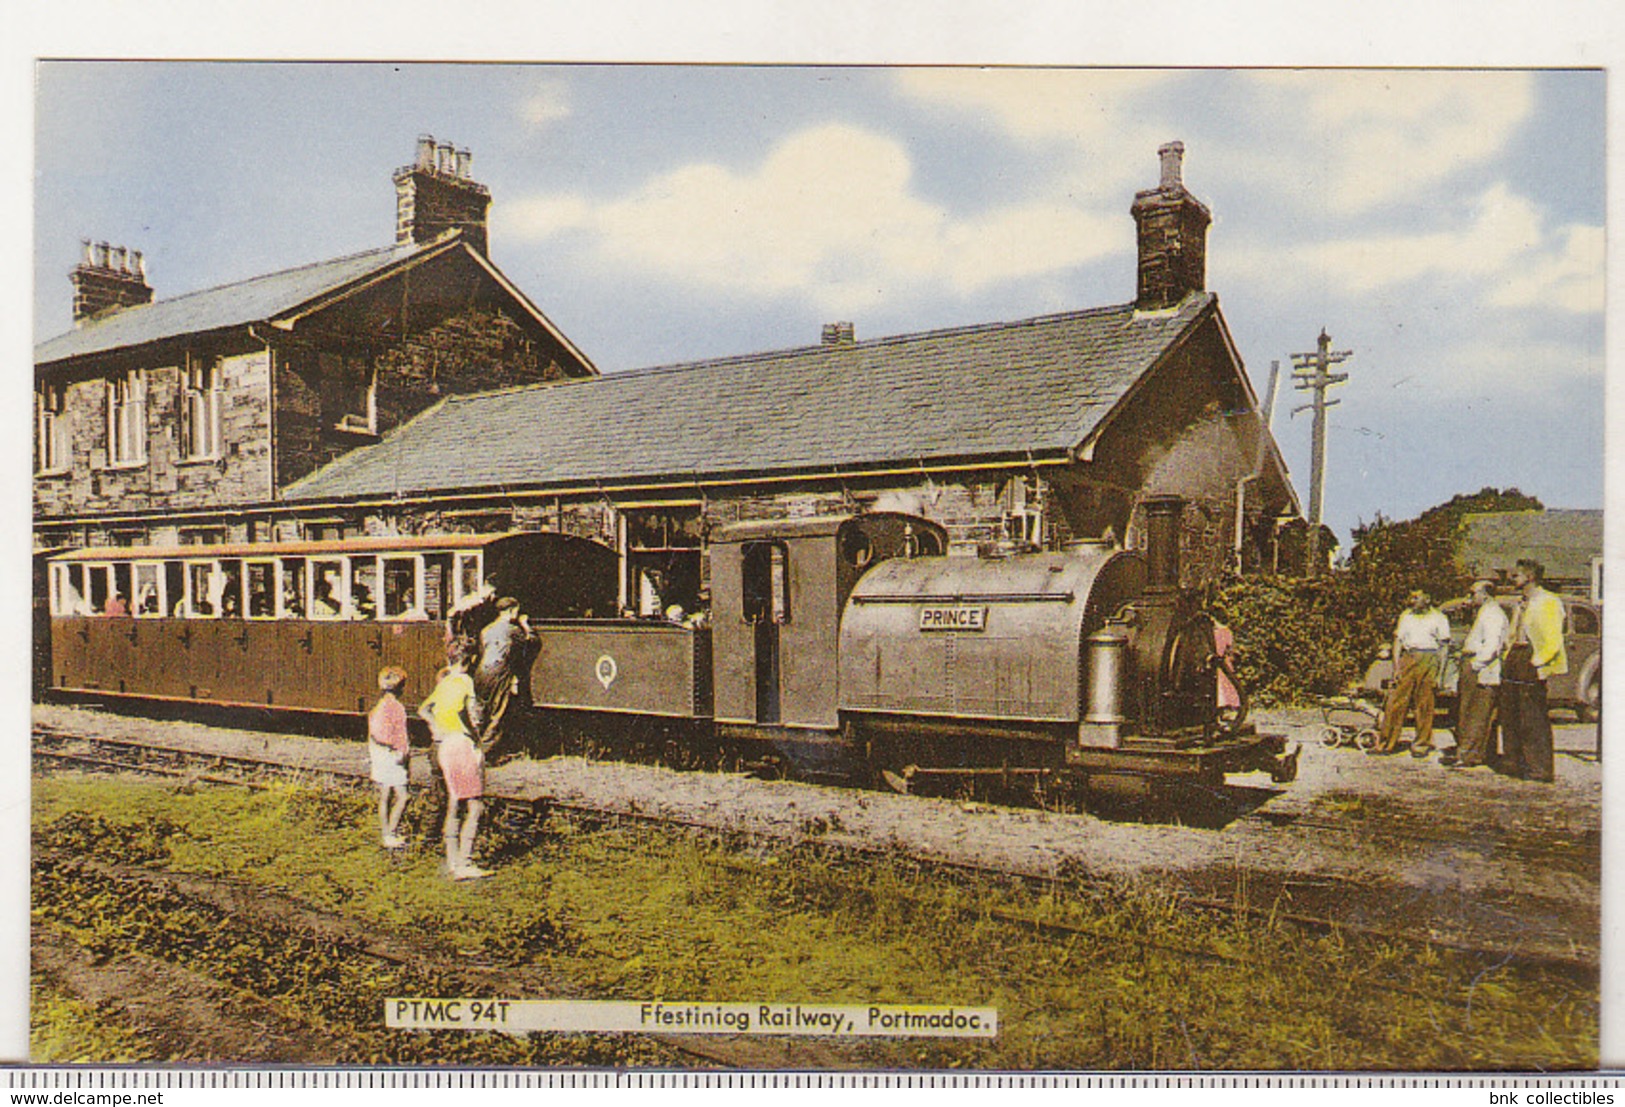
x=226, y=305
x=1564, y=540
x=1035, y=386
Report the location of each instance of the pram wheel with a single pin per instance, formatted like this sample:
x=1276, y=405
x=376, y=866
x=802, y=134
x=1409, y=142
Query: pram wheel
x=1367, y=739
x=1331, y=736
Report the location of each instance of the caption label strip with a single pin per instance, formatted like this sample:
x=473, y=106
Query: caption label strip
x=518, y=1016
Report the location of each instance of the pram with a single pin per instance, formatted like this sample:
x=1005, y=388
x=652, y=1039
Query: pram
x=1348, y=721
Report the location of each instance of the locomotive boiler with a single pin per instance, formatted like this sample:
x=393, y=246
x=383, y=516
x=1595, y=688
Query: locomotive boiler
x=1091, y=662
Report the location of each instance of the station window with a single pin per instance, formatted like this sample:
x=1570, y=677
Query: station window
x=200, y=408
x=127, y=418
x=51, y=430
x=349, y=393
x=202, y=536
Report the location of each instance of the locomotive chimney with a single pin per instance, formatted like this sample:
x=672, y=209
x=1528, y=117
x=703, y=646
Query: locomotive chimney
x=1162, y=515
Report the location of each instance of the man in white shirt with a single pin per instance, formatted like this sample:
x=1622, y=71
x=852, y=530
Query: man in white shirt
x=1420, y=641
x=1480, y=678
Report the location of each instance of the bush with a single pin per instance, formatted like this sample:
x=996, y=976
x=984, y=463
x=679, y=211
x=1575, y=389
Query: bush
x=1302, y=638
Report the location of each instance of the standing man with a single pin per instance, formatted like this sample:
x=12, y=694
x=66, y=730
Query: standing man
x=1535, y=654
x=1420, y=641
x=504, y=649
x=1480, y=677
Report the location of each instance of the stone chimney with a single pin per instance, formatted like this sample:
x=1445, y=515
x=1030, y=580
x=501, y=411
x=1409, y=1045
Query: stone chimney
x=1172, y=232
x=107, y=278
x=838, y=334
x=436, y=194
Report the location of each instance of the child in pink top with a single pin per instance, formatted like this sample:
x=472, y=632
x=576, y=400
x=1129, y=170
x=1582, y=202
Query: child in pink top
x=391, y=752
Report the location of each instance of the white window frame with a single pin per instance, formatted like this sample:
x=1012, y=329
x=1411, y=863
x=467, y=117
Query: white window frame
x=458, y=557
x=351, y=611
x=419, y=571
x=51, y=428
x=343, y=596
x=127, y=418
x=218, y=595
x=200, y=402
x=276, y=588
x=157, y=568
x=63, y=584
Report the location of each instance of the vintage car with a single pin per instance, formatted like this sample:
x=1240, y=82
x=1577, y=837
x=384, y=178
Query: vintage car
x=1579, y=690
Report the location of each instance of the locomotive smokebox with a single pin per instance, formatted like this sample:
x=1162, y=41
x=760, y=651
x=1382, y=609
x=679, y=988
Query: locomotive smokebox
x=1162, y=515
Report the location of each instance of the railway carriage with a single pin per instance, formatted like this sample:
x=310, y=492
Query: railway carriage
x=299, y=625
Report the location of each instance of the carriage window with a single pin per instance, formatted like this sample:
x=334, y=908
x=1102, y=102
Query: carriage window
x=231, y=589
x=98, y=576
x=148, y=601
x=401, y=589
x=468, y=575
x=363, y=587
x=122, y=591
x=437, y=585
x=203, y=585
x=261, y=589
x=70, y=590
x=766, y=583
x=293, y=587
x=327, y=589
x=175, y=588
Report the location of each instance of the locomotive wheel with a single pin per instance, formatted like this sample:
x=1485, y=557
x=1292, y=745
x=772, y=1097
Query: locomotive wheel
x=1330, y=736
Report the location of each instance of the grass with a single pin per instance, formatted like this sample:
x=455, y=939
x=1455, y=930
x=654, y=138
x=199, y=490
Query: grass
x=620, y=912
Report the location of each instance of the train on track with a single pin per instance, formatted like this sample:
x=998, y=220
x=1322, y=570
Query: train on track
x=832, y=641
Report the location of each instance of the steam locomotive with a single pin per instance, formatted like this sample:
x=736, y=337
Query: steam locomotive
x=833, y=641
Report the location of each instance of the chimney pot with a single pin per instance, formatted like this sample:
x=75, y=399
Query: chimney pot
x=102, y=252
x=465, y=163
x=119, y=254
x=86, y=259
x=839, y=334
x=137, y=266
x=446, y=162
x=1172, y=155
x=425, y=155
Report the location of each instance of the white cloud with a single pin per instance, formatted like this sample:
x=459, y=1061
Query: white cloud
x=830, y=214
x=548, y=102
x=1508, y=365
x=1505, y=250
x=1354, y=140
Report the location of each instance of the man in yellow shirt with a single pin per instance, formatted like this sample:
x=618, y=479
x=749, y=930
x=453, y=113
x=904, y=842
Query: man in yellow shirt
x=1535, y=654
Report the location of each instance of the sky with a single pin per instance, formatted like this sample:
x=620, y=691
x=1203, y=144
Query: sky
x=1447, y=226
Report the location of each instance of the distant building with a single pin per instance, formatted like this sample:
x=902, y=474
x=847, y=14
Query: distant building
x=182, y=420
x=1567, y=542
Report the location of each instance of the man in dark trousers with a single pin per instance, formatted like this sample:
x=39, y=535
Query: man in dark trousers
x=1535, y=655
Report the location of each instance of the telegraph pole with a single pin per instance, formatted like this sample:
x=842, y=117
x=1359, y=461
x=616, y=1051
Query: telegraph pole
x=1309, y=374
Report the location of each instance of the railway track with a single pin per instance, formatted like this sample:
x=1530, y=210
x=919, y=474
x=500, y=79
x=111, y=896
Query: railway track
x=97, y=752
